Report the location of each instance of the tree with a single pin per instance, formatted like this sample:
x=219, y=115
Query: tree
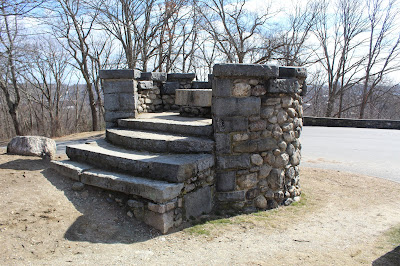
x=339, y=36
x=291, y=47
x=383, y=47
x=74, y=30
x=11, y=42
x=47, y=78
x=232, y=27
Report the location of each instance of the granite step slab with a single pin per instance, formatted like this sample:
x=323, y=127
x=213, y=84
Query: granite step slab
x=169, y=122
x=159, y=142
x=169, y=167
x=154, y=190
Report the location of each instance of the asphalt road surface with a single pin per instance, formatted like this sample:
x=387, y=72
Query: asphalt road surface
x=373, y=152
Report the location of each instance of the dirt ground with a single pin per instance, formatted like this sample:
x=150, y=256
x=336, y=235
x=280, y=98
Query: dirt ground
x=343, y=219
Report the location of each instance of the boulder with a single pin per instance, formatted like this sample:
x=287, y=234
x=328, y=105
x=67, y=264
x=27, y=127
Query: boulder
x=32, y=146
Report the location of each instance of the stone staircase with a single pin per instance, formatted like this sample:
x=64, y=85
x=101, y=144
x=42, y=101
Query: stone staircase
x=165, y=163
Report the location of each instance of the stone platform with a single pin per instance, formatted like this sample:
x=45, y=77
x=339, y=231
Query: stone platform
x=162, y=160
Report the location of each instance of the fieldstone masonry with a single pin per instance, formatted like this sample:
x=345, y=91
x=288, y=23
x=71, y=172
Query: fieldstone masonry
x=247, y=161
x=257, y=118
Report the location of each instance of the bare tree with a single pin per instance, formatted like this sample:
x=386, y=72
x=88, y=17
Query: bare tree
x=338, y=40
x=383, y=47
x=119, y=19
x=48, y=79
x=10, y=41
x=291, y=49
x=74, y=30
x=232, y=27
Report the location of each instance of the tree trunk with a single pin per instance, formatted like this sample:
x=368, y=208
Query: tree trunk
x=329, y=108
x=14, y=117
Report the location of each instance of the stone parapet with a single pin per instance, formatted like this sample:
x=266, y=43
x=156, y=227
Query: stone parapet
x=350, y=122
x=257, y=119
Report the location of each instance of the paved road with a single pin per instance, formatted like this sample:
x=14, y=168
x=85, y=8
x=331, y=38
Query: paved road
x=373, y=152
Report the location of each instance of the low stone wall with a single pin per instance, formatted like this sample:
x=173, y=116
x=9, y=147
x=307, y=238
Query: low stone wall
x=257, y=118
x=129, y=92
x=348, y=122
x=149, y=92
x=194, y=102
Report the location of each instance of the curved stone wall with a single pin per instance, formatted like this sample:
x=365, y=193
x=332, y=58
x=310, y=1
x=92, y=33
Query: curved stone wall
x=257, y=117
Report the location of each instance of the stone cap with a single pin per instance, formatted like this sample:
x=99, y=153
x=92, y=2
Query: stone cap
x=177, y=76
x=119, y=74
x=155, y=76
x=292, y=72
x=246, y=70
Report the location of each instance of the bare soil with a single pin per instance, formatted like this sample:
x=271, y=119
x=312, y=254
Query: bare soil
x=343, y=219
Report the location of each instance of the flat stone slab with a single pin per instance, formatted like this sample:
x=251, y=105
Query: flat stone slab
x=157, y=191
x=178, y=76
x=159, y=142
x=169, y=167
x=70, y=168
x=119, y=74
x=193, y=97
x=169, y=122
x=246, y=70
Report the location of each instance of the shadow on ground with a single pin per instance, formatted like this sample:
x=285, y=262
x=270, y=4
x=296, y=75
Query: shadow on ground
x=391, y=258
x=23, y=164
x=104, y=216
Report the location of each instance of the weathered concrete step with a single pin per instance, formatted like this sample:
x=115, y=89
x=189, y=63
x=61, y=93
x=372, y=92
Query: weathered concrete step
x=169, y=122
x=159, y=142
x=169, y=167
x=157, y=191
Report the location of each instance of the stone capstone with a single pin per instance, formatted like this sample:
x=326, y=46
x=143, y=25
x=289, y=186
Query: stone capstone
x=245, y=70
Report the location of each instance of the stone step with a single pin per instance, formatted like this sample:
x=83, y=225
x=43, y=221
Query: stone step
x=169, y=167
x=169, y=122
x=159, y=142
x=154, y=190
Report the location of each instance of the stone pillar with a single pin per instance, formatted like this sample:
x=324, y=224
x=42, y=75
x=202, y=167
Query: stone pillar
x=120, y=94
x=257, y=118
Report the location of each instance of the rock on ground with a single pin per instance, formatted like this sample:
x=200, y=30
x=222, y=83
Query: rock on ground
x=32, y=146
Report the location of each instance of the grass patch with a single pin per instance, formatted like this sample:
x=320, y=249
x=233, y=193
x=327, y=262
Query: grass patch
x=220, y=221
x=275, y=218
x=393, y=235
x=198, y=230
x=303, y=201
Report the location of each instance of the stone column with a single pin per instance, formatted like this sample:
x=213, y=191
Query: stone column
x=257, y=118
x=120, y=94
